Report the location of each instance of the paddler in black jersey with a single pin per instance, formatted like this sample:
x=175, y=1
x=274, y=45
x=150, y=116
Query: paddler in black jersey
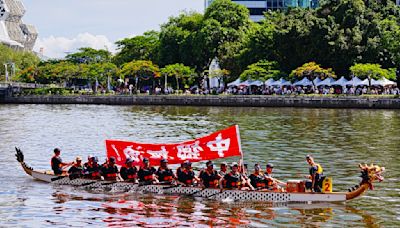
x=57, y=164
x=164, y=174
x=234, y=179
x=186, y=175
x=76, y=171
x=92, y=168
x=109, y=171
x=129, y=172
x=257, y=179
x=146, y=173
x=316, y=175
x=273, y=183
x=209, y=177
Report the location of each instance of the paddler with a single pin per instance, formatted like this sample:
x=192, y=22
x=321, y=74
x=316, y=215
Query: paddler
x=316, y=175
x=92, y=168
x=129, y=172
x=187, y=176
x=110, y=171
x=209, y=177
x=76, y=171
x=146, y=173
x=257, y=179
x=272, y=183
x=234, y=179
x=223, y=169
x=56, y=162
x=164, y=174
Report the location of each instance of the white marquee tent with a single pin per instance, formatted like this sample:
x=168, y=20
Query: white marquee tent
x=234, y=83
x=382, y=82
x=326, y=82
x=269, y=82
x=303, y=82
x=357, y=82
x=340, y=82
x=281, y=82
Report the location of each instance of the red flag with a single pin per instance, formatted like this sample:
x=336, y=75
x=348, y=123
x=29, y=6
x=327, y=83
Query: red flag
x=221, y=144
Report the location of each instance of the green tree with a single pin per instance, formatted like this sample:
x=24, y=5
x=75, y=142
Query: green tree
x=262, y=70
x=311, y=70
x=180, y=72
x=89, y=55
x=141, y=70
x=390, y=39
x=258, y=44
x=375, y=71
x=144, y=47
x=180, y=42
x=223, y=31
x=21, y=59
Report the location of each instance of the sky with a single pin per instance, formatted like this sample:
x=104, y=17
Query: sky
x=66, y=25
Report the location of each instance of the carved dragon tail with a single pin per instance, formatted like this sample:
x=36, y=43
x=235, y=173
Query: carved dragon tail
x=20, y=158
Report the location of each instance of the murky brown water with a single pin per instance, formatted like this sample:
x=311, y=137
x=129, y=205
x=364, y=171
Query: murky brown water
x=339, y=139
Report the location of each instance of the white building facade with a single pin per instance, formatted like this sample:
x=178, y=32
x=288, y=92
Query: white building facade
x=13, y=31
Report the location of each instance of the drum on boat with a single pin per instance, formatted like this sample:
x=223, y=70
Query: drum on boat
x=296, y=186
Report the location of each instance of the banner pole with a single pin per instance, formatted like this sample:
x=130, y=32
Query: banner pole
x=240, y=149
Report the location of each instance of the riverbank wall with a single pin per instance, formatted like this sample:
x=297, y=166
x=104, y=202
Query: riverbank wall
x=229, y=101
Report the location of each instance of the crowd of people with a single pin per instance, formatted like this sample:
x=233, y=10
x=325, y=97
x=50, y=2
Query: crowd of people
x=209, y=177
x=298, y=90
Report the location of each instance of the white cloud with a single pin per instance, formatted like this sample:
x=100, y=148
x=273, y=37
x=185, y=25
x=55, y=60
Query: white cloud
x=58, y=47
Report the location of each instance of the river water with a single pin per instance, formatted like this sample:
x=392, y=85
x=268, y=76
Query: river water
x=338, y=139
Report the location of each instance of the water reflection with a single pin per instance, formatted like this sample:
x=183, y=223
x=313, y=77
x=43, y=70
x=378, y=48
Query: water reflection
x=158, y=211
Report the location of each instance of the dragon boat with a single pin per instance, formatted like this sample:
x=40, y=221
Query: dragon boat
x=369, y=174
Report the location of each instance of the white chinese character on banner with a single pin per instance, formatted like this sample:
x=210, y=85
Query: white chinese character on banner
x=219, y=145
x=134, y=154
x=189, y=151
x=163, y=153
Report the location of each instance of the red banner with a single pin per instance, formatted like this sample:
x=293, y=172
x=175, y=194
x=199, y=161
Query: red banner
x=221, y=144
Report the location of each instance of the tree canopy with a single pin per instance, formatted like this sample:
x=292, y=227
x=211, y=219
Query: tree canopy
x=312, y=70
x=374, y=71
x=144, y=47
x=262, y=70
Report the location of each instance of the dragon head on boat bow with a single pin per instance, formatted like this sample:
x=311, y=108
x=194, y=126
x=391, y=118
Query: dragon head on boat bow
x=370, y=174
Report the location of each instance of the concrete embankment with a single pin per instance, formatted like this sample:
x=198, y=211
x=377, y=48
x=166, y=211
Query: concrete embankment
x=232, y=101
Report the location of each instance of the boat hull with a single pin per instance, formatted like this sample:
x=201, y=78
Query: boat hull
x=235, y=195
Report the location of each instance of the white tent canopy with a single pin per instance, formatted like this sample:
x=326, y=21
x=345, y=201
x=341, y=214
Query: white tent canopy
x=303, y=82
x=256, y=83
x=340, y=82
x=269, y=82
x=382, y=82
x=234, y=83
x=317, y=80
x=281, y=82
x=326, y=82
x=357, y=82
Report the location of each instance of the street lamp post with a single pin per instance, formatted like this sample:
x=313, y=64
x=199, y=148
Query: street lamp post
x=6, y=71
